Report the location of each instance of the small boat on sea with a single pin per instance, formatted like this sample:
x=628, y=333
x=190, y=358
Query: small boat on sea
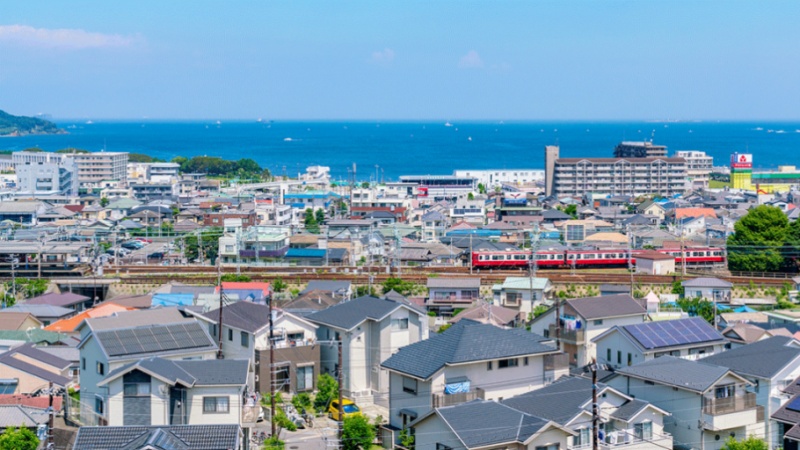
x=448, y=124
x=288, y=139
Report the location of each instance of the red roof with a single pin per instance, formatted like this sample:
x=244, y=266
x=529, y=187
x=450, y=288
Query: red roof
x=74, y=208
x=680, y=213
x=34, y=402
x=241, y=285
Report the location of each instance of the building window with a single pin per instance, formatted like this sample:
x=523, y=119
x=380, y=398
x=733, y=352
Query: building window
x=136, y=389
x=547, y=447
x=305, y=378
x=245, y=339
x=598, y=322
x=400, y=324
x=101, y=368
x=619, y=357
x=442, y=447
x=630, y=359
x=230, y=335
x=215, y=405
x=410, y=385
x=506, y=363
x=582, y=439
x=608, y=354
x=525, y=361
x=83, y=363
x=643, y=431
x=98, y=405
x=489, y=365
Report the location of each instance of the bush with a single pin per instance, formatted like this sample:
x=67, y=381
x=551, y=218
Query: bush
x=234, y=277
x=358, y=432
x=273, y=443
x=302, y=401
x=327, y=389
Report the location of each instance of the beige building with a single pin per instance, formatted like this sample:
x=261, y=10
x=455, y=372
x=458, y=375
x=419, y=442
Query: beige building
x=698, y=167
x=654, y=263
x=99, y=166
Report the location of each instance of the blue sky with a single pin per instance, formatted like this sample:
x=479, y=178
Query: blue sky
x=405, y=60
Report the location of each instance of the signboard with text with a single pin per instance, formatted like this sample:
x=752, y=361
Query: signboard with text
x=742, y=161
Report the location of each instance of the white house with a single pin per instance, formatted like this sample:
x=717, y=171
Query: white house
x=522, y=293
x=707, y=288
x=371, y=329
x=582, y=319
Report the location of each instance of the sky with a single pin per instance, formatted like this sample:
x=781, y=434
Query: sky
x=402, y=60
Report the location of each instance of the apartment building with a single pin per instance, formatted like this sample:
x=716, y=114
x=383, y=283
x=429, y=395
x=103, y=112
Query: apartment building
x=44, y=174
x=576, y=177
x=645, y=149
x=100, y=166
x=698, y=167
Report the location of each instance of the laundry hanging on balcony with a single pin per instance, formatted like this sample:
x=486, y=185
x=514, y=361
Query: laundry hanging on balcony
x=456, y=386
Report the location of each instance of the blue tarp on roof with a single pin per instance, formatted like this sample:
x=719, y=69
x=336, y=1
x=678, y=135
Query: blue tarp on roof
x=744, y=309
x=474, y=232
x=305, y=253
x=173, y=299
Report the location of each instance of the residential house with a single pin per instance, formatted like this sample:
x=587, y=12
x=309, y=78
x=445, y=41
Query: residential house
x=27, y=370
x=337, y=289
x=626, y=345
x=651, y=208
x=580, y=320
x=310, y=302
x=69, y=300
x=179, y=437
x=370, y=330
x=708, y=288
x=463, y=427
x=18, y=321
x=523, y=293
x=614, y=289
x=46, y=314
x=740, y=334
x=24, y=213
x=625, y=422
x=708, y=403
x=652, y=262
x=494, y=315
x=18, y=416
x=447, y=294
x=157, y=391
x=770, y=365
x=434, y=224
x=108, y=343
x=787, y=418
x=70, y=325
x=255, y=291
x=246, y=335
x=468, y=361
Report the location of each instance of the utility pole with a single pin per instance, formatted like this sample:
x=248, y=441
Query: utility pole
x=533, y=264
x=50, y=444
x=271, y=366
x=595, y=413
x=630, y=255
x=470, y=253
x=339, y=380
x=221, y=296
x=14, y=276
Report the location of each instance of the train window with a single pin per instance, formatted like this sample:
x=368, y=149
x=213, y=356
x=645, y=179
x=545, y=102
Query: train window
x=570, y=256
x=496, y=257
x=481, y=258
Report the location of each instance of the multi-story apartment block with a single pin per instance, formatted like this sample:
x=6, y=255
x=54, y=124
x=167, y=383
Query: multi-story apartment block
x=42, y=173
x=698, y=167
x=498, y=177
x=576, y=177
x=645, y=149
x=99, y=166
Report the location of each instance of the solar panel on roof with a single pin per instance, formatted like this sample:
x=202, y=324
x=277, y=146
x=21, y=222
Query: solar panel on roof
x=672, y=333
x=794, y=405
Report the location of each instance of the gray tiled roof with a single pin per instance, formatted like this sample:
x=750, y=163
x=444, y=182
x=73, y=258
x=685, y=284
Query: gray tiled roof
x=677, y=372
x=337, y=287
x=628, y=410
x=41, y=310
x=349, y=314
x=143, y=340
x=9, y=360
x=178, y=437
x=17, y=416
x=559, y=402
x=466, y=341
x=65, y=299
x=786, y=415
x=244, y=315
x=482, y=423
x=456, y=283
x=206, y=372
x=606, y=306
x=127, y=319
x=707, y=282
x=761, y=359
x=34, y=353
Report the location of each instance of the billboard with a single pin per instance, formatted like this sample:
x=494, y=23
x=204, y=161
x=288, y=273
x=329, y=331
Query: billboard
x=742, y=161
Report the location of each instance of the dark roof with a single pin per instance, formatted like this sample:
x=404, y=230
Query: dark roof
x=673, y=333
x=177, y=437
x=554, y=214
x=463, y=283
x=18, y=416
x=676, y=372
x=349, y=314
x=65, y=299
x=623, y=288
x=480, y=423
x=9, y=360
x=311, y=301
x=559, y=402
x=629, y=409
x=763, y=358
x=786, y=415
x=244, y=315
x=38, y=311
x=606, y=306
x=143, y=340
x=466, y=341
x=32, y=352
x=337, y=287
x=206, y=372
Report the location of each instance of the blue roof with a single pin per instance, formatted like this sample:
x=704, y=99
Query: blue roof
x=482, y=233
x=173, y=299
x=305, y=253
x=743, y=309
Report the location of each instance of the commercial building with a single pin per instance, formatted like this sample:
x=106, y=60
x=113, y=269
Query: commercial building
x=441, y=186
x=100, y=166
x=497, y=177
x=44, y=174
x=645, y=149
x=768, y=182
x=576, y=177
x=698, y=167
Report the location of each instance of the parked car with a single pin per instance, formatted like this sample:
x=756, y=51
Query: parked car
x=348, y=408
x=145, y=240
x=156, y=255
x=132, y=245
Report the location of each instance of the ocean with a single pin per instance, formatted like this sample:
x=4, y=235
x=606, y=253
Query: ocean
x=387, y=150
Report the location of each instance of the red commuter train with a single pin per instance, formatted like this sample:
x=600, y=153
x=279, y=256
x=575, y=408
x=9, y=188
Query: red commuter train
x=588, y=257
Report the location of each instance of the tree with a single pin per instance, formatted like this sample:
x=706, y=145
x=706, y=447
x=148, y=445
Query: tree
x=406, y=438
x=18, y=439
x=104, y=201
x=319, y=215
x=278, y=285
x=698, y=307
x=758, y=237
x=310, y=222
x=481, y=188
x=677, y=288
x=142, y=158
x=365, y=290
x=470, y=196
x=751, y=443
x=358, y=433
x=236, y=278
x=273, y=443
x=365, y=185
x=572, y=210
x=539, y=310
x=399, y=285
x=73, y=151
x=209, y=240
x=327, y=389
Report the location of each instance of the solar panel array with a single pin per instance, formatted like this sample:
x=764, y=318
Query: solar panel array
x=153, y=338
x=670, y=333
x=794, y=405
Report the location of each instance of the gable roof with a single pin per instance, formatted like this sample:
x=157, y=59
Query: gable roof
x=206, y=372
x=662, y=334
x=71, y=324
x=55, y=299
x=8, y=359
x=245, y=285
x=336, y=287
x=524, y=283
x=11, y=320
x=695, y=212
x=41, y=402
x=176, y=437
x=559, y=402
x=451, y=282
x=134, y=318
x=707, y=282
x=617, y=305
x=677, y=372
x=348, y=315
x=247, y=316
x=762, y=359
x=485, y=313
x=41, y=310
x=313, y=300
x=154, y=339
x=17, y=416
x=466, y=341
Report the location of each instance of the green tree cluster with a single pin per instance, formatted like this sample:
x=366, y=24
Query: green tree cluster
x=216, y=166
x=751, y=443
x=278, y=285
x=764, y=241
x=698, y=307
x=209, y=240
x=142, y=158
x=311, y=223
x=358, y=433
x=236, y=278
x=327, y=389
x=18, y=439
x=403, y=287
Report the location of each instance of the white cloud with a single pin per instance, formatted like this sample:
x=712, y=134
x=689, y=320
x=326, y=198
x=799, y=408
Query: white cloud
x=62, y=38
x=472, y=60
x=384, y=56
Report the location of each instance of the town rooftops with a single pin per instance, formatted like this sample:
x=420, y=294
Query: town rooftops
x=14, y=320
x=245, y=286
x=21, y=358
x=559, y=402
x=175, y=437
x=524, y=283
x=243, y=315
x=455, y=283
x=128, y=319
x=763, y=359
x=484, y=313
x=619, y=160
x=40, y=402
x=71, y=325
x=466, y=341
x=670, y=333
x=188, y=336
x=332, y=286
x=677, y=372
x=681, y=213
x=205, y=372
x=707, y=282
x=49, y=311
x=618, y=305
x=55, y=299
x=19, y=416
x=348, y=315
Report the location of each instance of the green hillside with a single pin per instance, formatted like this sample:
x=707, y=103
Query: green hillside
x=20, y=125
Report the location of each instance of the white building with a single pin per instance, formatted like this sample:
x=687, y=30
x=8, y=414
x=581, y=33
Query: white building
x=698, y=167
x=43, y=173
x=99, y=166
x=497, y=177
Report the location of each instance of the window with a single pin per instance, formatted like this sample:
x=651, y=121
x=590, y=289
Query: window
x=136, y=389
x=724, y=391
x=547, y=447
x=230, y=335
x=245, y=339
x=598, y=322
x=410, y=385
x=643, y=431
x=101, y=368
x=489, y=365
x=582, y=439
x=630, y=359
x=83, y=363
x=215, y=405
x=305, y=378
x=506, y=363
x=400, y=324
x=442, y=447
x=98, y=405
x=608, y=354
x=619, y=357
x=525, y=361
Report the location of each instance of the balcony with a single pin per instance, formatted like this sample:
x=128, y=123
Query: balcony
x=441, y=400
x=250, y=414
x=730, y=412
x=569, y=336
x=621, y=438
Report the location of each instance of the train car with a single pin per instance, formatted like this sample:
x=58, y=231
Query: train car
x=518, y=258
x=697, y=255
x=598, y=258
